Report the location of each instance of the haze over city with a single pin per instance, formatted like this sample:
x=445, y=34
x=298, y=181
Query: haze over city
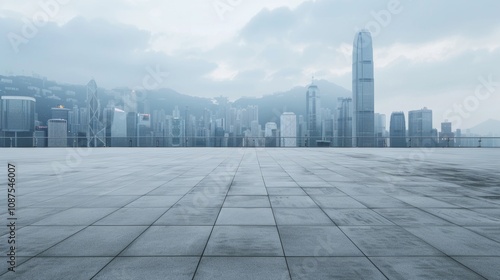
x=426, y=54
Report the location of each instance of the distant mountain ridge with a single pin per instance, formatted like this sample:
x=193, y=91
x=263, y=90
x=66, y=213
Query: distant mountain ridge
x=294, y=100
x=51, y=94
x=490, y=128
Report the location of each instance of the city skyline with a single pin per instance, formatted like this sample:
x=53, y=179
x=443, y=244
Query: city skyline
x=257, y=48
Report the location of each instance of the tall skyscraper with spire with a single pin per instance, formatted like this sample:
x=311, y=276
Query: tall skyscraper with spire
x=313, y=114
x=95, y=128
x=363, y=127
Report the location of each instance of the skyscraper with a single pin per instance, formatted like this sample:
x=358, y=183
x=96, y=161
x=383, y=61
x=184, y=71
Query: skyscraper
x=344, y=123
x=57, y=133
x=271, y=133
x=420, y=128
x=380, y=130
x=95, y=129
x=60, y=113
x=446, y=136
x=313, y=115
x=288, y=125
x=363, y=91
x=17, y=121
x=270, y=126
x=398, y=130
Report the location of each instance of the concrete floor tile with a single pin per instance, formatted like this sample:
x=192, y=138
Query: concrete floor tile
x=246, y=216
x=256, y=241
x=356, y=217
x=132, y=217
x=423, y=268
x=301, y=216
x=326, y=268
x=243, y=268
x=75, y=217
x=235, y=201
x=457, y=241
x=96, y=241
x=149, y=268
x=292, y=202
x=337, y=202
x=285, y=191
x=388, y=241
x=316, y=241
x=58, y=268
x=170, y=241
x=488, y=267
x=188, y=216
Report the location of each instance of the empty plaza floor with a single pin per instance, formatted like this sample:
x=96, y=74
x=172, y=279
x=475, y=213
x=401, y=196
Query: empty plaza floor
x=250, y=213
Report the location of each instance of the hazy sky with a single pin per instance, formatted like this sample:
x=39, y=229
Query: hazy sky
x=427, y=53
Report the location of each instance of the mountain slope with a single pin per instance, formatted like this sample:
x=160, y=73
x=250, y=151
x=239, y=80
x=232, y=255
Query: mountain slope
x=294, y=100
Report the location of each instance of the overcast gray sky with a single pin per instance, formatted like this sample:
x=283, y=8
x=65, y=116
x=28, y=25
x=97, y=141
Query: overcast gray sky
x=427, y=53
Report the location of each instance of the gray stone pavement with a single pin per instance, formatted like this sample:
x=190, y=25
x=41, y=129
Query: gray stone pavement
x=244, y=213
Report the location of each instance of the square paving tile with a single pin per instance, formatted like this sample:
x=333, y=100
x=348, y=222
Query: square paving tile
x=170, y=241
x=150, y=268
x=412, y=216
x=488, y=267
x=490, y=232
x=465, y=217
x=292, y=202
x=330, y=191
x=247, y=190
x=301, y=216
x=200, y=201
x=58, y=268
x=285, y=191
x=233, y=201
x=32, y=240
x=246, y=216
x=75, y=217
x=189, y=216
x=33, y=215
x=154, y=202
x=388, y=241
x=457, y=241
x=357, y=217
x=256, y=241
x=326, y=268
x=423, y=268
x=337, y=202
x=132, y=217
x=281, y=184
x=316, y=241
x=381, y=201
x=425, y=202
x=229, y=268
x=109, y=201
x=171, y=190
x=96, y=241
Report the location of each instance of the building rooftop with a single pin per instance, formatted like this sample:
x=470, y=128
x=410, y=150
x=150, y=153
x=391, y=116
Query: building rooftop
x=245, y=213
